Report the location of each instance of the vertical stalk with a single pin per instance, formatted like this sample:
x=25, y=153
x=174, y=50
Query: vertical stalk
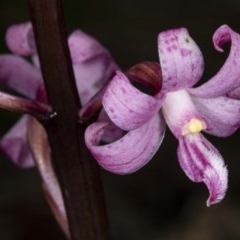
x=77, y=173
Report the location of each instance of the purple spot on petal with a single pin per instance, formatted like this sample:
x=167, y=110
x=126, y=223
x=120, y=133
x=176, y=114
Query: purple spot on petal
x=234, y=62
x=111, y=110
x=172, y=39
x=123, y=90
x=185, y=52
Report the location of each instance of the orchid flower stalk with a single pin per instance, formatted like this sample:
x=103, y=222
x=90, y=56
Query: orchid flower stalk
x=212, y=107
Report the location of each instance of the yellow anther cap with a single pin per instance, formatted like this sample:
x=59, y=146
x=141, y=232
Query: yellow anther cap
x=194, y=126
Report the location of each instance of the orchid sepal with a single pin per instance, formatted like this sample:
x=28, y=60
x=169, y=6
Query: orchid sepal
x=228, y=77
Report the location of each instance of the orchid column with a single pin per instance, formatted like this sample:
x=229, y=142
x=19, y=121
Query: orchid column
x=78, y=175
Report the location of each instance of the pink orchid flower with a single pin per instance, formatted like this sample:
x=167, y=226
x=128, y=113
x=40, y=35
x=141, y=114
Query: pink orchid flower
x=93, y=67
x=213, y=107
x=26, y=143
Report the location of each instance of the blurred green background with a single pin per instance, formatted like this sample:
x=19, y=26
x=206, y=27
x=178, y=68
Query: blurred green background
x=158, y=202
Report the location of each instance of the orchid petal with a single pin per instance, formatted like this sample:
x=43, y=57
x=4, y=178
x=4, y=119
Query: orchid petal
x=111, y=131
x=92, y=63
x=228, y=77
x=126, y=106
x=84, y=47
x=92, y=75
x=122, y=156
x=19, y=75
x=202, y=162
x=15, y=144
x=221, y=114
x=20, y=39
x=180, y=58
x=235, y=94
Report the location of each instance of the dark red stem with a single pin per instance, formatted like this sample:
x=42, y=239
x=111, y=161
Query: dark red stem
x=77, y=173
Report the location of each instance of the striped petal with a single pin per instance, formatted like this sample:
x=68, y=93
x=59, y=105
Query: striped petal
x=180, y=59
x=15, y=144
x=129, y=153
x=202, y=162
x=126, y=106
x=221, y=114
x=228, y=77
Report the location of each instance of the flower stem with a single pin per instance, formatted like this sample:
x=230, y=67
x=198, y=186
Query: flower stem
x=77, y=173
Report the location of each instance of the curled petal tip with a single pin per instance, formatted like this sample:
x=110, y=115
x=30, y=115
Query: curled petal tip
x=111, y=131
x=20, y=39
x=221, y=35
x=216, y=183
x=228, y=77
x=83, y=47
x=202, y=162
x=126, y=106
x=129, y=153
